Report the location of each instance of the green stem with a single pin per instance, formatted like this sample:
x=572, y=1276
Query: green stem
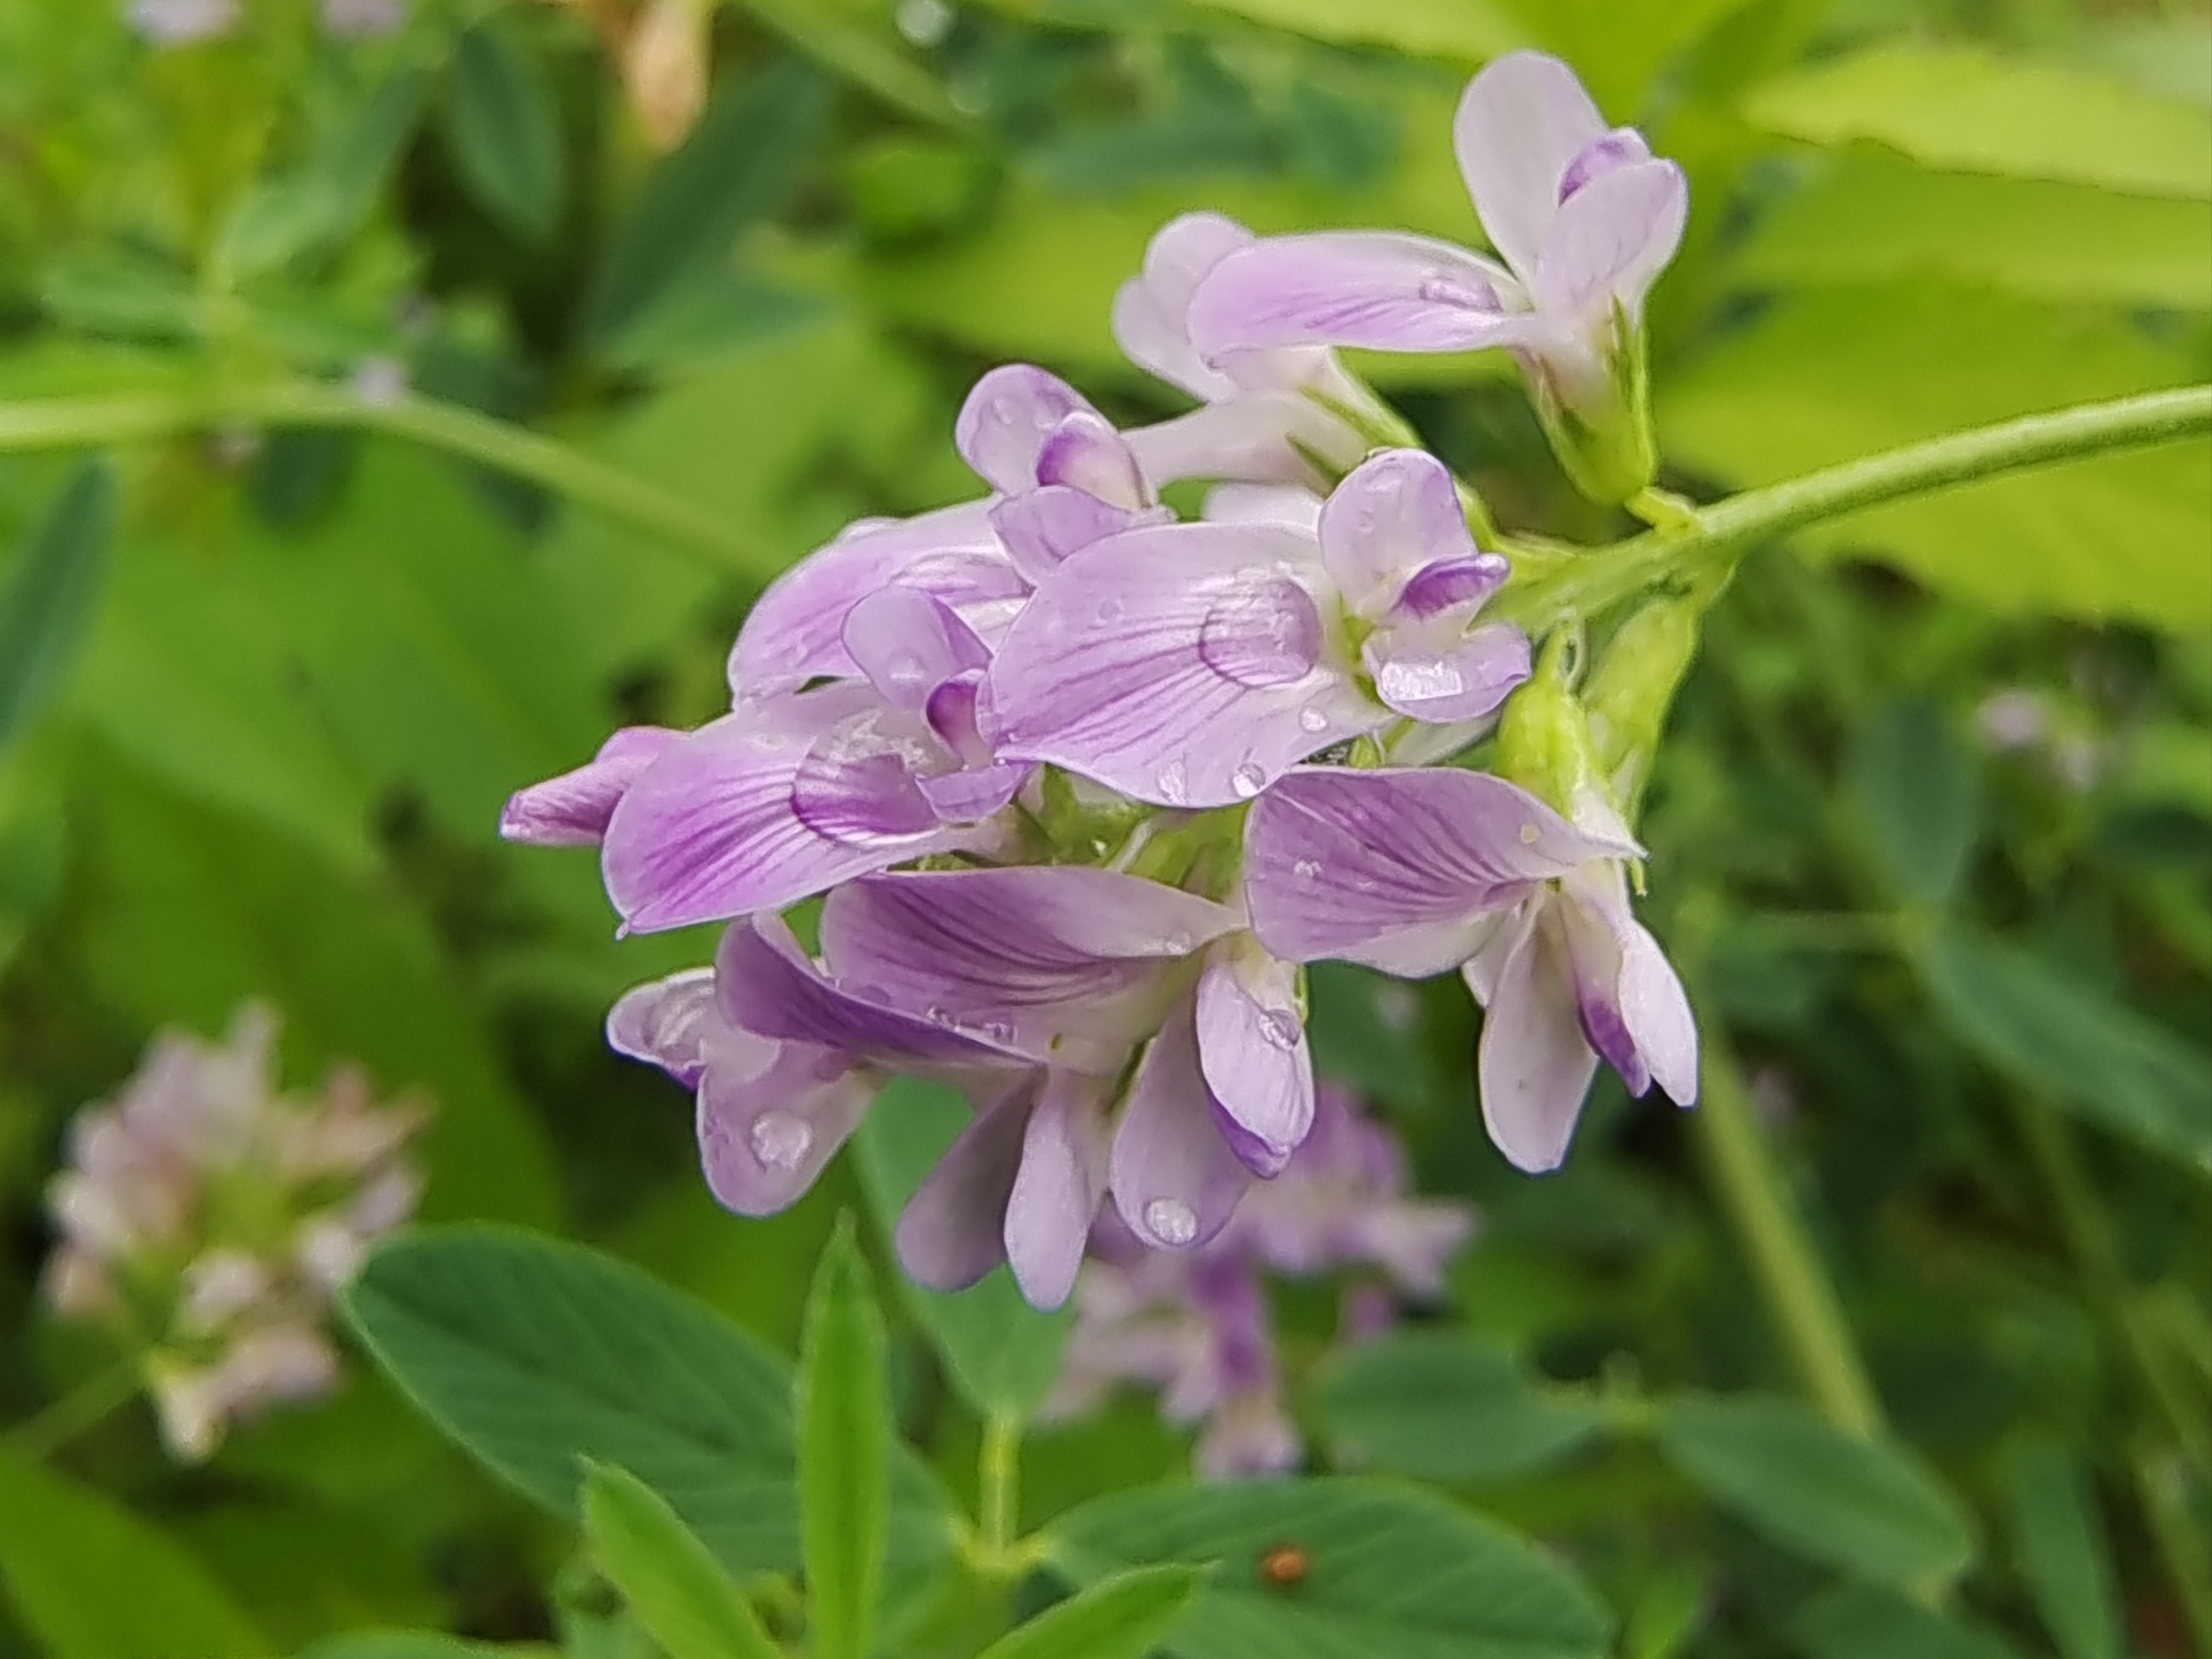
x=143, y=417
x=41, y=1436
x=1591, y=582
x=2182, y=1549
x=1799, y=1300
x=999, y=1480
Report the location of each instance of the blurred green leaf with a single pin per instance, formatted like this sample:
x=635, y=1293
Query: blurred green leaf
x=1126, y=1616
x=2058, y=1540
x=1855, y=1621
x=1003, y=1355
x=869, y=57
x=532, y=1354
x=1862, y=1504
x=1875, y=217
x=1822, y=378
x=739, y=164
x=48, y=599
x=325, y=200
x=2060, y=1035
x=1918, y=790
x=504, y=128
x=844, y=1441
x=1961, y=107
x=1671, y=1608
x=1619, y=47
x=1378, y=1569
x=417, y=1645
x=669, y=1579
x=1366, y=1031
x=1441, y=1405
x=1457, y=31
x=93, y=1581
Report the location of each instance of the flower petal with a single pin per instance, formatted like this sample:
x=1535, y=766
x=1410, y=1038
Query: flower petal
x=764, y=1140
x=1612, y=239
x=1185, y=664
x=1393, y=514
x=1252, y=1048
x=1533, y=1066
x=1634, y=1010
x=1399, y=869
x=1003, y=427
x=1252, y=503
x=573, y=809
x=1175, y=1181
x=675, y=1024
x=1463, y=681
x=1261, y=437
x=1659, y=1016
x=1521, y=122
x=795, y=631
x=1382, y=289
x=907, y=643
x=1056, y=1190
x=952, y=1230
x=1042, y=527
x=1150, y=307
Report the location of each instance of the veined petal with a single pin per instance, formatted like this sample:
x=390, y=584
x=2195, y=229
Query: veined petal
x=952, y=1230
x=675, y=1024
x=1252, y=1048
x=764, y=1140
x=1150, y=307
x=1175, y=1181
x=1187, y=664
x=1611, y=241
x=795, y=631
x=1533, y=1066
x=1447, y=586
x=907, y=643
x=1009, y=414
x=1056, y=1191
x=1251, y=503
x=1659, y=1016
x=1521, y=122
x=1383, y=289
x=1042, y=527
x=1460, y=681
x=573, y=809
x=974, y=793
x=1085, y=453
x=1397, y=868
x=1260, y=437
x=1393, y=514
x=1634, y=1010
x=765, y=984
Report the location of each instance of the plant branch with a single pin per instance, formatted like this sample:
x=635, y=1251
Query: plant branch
x=87, y=1404
x=1586, y=583
x=143, y=417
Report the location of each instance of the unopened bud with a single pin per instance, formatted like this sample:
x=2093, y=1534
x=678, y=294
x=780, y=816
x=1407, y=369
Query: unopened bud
x=664, y=69
x=1544, y=741
x=1597, y=414
x=1634, y=687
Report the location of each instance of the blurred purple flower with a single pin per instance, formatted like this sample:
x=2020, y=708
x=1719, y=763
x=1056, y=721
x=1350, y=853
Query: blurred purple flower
x=1195, y=1324
x=1192, y=664
x=1413, y=873
x=182, y=22
x=363, y=20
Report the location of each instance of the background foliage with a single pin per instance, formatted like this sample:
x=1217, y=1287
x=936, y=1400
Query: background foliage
x=262, y=693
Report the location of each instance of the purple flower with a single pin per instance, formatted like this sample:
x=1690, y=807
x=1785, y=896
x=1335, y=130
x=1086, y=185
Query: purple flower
x=1192, y=664
x=363, y=20
x=788, y=795
x=181, y=22
x=1585, y=219
x=573, y=809
x=1196, y=1324
x=1416, y=871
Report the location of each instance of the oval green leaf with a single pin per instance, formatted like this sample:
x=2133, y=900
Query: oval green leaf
x=504, y=129
x=844, y=1441
x=1124, y=1617
x=670, y=1578
x=49, y=593
x=1445, y=1407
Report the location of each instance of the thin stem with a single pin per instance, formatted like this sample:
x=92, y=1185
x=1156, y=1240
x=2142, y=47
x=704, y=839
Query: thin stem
x=42, y=1435
x=2183, y=1549
x=1800, y=1299
x=141, y=417
x=998, y=1482
x=1602, y=577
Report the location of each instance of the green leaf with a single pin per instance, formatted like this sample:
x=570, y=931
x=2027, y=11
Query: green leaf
x=1003, y=1355
x=1872, y=216
x=50, y=592
x=2067, y=1037
x=1617, y=47
x=1855, y=1621
x=844, y=1441
x=1380, y=1569
x=323, y=202
x=1441, y=1405
x=869, y=58
x=534, y=1354
x=504, y=129
x=1126, y=1616
x=1960, y=107
x=92, y=1581
x=1457, y=31
x=1917, y=791
x=1862, y=1504
x=739, y=164
x=685, y=1602
x=1824, y=378
x=2059, y=1541
x=415, y=1644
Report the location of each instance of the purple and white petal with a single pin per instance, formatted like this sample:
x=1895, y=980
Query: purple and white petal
x=1085, y=453
x=675, y=1024
x=1006, y=420
x=1396, y=868
x=572, y=810
x=1634, y=1009
x=952, y=1230
x=1042, y=527
x=907, y=643
x=1395, y=513
x=764, y=1140
x=1659, y=1017
x=1269, y=436
x=1149, y=308
x=1187, y=664
x=1521, y=123
x=1057, y=1188
x=1533, y=1066
x=1386, y=290
x=1448, y=587
x=1463, y=680
x=1252, y=1049
x=1611, y=241
x=1175, y=1181
x=1251, y=503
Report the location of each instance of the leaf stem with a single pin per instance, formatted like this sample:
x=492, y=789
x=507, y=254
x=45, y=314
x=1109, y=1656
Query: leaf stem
x=999, y=1484
x=142, y=416
x=1592, y=581
x=40, y=1436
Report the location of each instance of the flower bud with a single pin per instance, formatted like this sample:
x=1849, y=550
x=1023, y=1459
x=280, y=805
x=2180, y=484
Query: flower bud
x=1595, y=409
x=1634, y=687
x=664, y=69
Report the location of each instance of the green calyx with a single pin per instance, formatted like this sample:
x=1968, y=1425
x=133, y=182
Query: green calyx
x=1602, y=438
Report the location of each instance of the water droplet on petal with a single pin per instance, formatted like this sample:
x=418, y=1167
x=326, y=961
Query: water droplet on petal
x=1312, y=720
x=1281, y=1027
x=1109, y=610
x=1247, y=781
x=1172, y=786
x=1306, y=870
x=1176, y=944
x=999, y=1031
x=1529, y=834
x=780, y=1140
x=1171, y=1221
